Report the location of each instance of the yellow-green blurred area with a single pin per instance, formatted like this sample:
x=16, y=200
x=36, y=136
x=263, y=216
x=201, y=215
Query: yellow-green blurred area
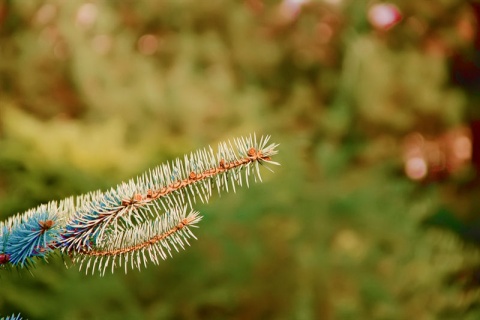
x=93, y=93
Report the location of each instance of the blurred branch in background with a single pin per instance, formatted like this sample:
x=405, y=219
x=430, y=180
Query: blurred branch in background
x=374, y=102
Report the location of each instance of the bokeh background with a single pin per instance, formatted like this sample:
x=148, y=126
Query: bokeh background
x=374, y=211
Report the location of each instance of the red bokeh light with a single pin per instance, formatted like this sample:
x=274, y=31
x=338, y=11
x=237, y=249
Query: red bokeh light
x=384, y=15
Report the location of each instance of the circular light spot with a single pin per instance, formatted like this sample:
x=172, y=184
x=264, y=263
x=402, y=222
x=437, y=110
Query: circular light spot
x=148, y=44
x=102, y=44
x=462, y=148
x=384, y=15
x=87, y=15
x=45, y=14
x=416, y=168
x=325, y=32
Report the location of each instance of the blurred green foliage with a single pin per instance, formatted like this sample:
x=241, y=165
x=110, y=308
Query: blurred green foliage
x=93, y=93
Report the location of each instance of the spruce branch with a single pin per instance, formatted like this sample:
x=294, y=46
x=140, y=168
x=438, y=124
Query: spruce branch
x=139, y=221
x=148, y=241
x=12, y=317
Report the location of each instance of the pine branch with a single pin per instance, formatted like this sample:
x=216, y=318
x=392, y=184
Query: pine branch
x=138, y=221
